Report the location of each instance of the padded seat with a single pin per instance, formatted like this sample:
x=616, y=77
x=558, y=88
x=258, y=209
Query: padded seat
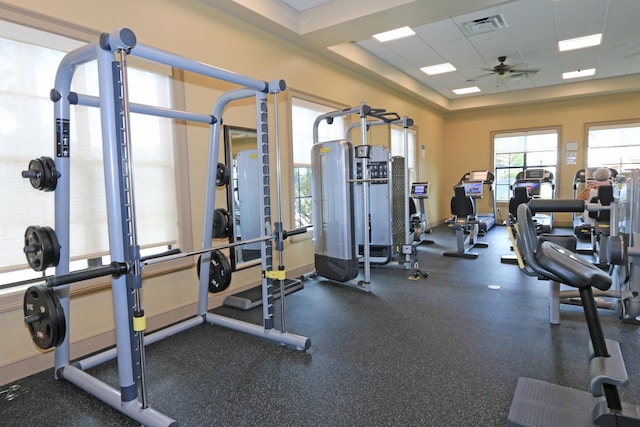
x=555, y=262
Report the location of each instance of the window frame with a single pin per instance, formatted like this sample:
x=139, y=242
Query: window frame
x=293, y=93
x=11, y=298
x=540, y=129
x=413, y=165
x=612, y=124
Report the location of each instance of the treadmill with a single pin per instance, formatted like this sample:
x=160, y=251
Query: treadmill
x=540, y=184
x=488, y=219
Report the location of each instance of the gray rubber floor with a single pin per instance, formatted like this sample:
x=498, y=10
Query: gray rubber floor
x=442, y=351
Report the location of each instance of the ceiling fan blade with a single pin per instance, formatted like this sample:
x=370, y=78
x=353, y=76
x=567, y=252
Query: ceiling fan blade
x=524, y=71
x=483, y=76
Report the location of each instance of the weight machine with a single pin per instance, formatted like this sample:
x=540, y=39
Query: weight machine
x=337, y=168
x=388, y=224
x=538, y=403
x=581, y=181
x=47, y=306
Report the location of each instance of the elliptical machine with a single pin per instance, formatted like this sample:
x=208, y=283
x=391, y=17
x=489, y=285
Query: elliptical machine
x=464, y=221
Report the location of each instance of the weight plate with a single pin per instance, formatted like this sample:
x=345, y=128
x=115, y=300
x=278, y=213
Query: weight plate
x=44, y=317
x=51, y=174
x=223, y=175
x=36, y=169
x=41, y=247
x=220, y=224
x=219, y=272
x=43, y=174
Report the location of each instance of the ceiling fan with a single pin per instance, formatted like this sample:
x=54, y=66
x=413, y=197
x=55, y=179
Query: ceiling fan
x=506, y=71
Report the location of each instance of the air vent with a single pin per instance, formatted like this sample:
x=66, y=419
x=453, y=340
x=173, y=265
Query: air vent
x=483, y=25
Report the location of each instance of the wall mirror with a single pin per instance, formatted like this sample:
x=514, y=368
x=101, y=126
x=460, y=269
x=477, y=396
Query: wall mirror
x=243, y=194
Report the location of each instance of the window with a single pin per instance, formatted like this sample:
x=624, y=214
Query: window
x=517, y=151
x=397, y=148
x=303, y=116
x=615, y=146
x=30, y=59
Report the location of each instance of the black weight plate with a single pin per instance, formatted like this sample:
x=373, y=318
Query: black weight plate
x=36, y=166
x=44, y=317
x=220, y=224
x=41, y=247
x=219, y=272
x=223, y=175
x=44, y=174
x=51, y=174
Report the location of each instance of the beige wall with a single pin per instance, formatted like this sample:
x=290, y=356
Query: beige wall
x=199, y=32
x=453, y=144
x=468, y=143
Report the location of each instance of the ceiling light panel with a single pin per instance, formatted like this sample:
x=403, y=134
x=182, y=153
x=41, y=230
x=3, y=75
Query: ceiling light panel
x=579, y=42
x=398, y=33
x=466, y=90
x=438, y=69
x=579, y=73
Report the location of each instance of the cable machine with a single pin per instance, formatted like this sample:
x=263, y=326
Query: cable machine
x=389, y=223
x=339, y=169
x=50, y=314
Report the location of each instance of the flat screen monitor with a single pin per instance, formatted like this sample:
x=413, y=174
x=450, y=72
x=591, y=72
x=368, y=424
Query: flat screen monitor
x=478, y=175
x=534, y=173
x=532, y=185
x=420, y=189
x=473, y=188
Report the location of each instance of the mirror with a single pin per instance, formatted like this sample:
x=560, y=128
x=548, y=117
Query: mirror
x=243, y=194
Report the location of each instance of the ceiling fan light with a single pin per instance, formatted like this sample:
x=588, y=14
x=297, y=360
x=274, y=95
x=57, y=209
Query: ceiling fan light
x=398, y=33
x=580, y=42
x=579, y=73
x=466, y=90
x=438, y=69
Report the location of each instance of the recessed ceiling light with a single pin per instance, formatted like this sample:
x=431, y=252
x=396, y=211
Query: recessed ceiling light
x=398, y=33
x=579, y=73
x=438, y=69
x=580, y=42
x=466, y=90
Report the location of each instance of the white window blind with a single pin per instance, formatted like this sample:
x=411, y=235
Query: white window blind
x=303, y=116
x=28, y=62
x=397, y=148
x=614, y=145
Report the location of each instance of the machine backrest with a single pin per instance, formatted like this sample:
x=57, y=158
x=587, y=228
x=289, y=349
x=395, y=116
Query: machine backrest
x=520, y=195
x=605, y=197
x=412, y=207
x=462, y=205
x=528, y=243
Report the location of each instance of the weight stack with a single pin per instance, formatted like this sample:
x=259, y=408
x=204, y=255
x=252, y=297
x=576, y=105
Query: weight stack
x=398, y=198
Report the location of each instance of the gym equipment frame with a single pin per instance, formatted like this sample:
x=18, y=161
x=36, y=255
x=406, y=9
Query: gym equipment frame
x=538, y=403
x=334, y=229
x=406, y=246
x=111, y=52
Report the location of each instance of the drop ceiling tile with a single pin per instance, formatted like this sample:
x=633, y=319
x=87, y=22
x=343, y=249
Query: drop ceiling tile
x=439, y=32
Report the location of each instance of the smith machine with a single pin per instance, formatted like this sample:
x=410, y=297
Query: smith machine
x=46, y=305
